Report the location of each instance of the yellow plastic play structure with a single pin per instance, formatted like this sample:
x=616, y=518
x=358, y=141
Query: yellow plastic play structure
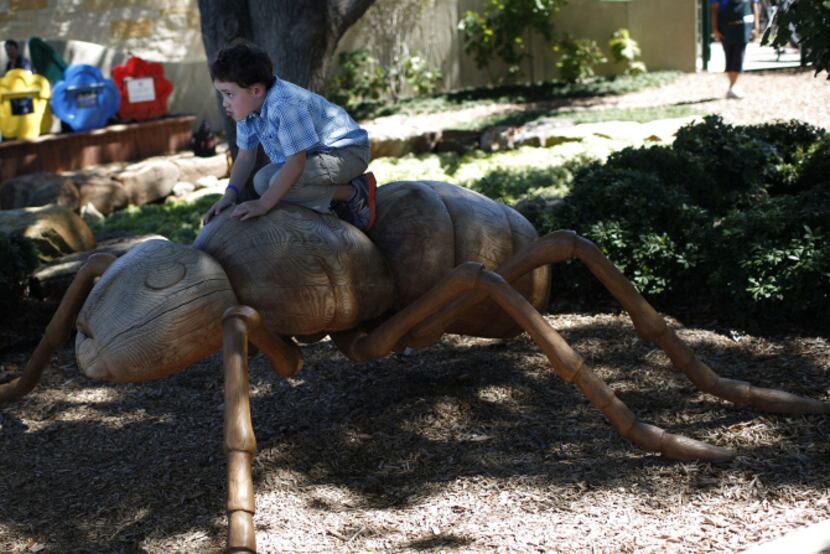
x=24, y=104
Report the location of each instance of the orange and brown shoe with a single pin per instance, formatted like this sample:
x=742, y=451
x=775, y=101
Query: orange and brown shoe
x=359, y=210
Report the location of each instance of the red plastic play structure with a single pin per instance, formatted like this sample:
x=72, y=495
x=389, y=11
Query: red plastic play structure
x=144, y=90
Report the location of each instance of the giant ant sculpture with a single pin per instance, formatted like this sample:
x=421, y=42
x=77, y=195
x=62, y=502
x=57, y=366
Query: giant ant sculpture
x=440, y=259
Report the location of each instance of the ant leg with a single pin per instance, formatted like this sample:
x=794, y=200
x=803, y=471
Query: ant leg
x=561, y=246
x=240, y=323
x=472, y=277
x=240, y=443
x=59, y=328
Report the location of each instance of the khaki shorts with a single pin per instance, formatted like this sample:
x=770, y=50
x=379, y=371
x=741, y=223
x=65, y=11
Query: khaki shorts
x=323, y=172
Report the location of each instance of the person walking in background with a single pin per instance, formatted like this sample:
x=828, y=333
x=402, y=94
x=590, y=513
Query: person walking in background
x=735, y=23
x=16, y=59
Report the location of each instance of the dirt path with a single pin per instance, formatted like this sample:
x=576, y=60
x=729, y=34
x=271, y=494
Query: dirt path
x=469, y=446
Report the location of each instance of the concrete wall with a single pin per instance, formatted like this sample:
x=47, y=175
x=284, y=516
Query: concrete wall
x=666, y=31
x=105, y=32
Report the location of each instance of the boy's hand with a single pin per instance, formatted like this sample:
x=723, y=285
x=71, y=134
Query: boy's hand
x=249, y=210
x=217, y=208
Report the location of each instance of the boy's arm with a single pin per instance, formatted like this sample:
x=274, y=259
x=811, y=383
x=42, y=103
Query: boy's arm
x=241, y=170
x=283, y=180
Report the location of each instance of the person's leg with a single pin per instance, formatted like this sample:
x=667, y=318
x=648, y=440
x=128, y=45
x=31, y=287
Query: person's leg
x=327, y=178
x=734, y=52
x=262, y=178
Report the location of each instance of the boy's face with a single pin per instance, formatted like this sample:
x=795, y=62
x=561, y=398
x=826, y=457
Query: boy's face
x=239, y=102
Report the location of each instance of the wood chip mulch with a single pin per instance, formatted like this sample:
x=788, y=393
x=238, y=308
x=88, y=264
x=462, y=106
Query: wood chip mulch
x=472, y=445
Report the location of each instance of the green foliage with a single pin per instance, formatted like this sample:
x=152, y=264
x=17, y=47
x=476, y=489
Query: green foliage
x=706, y=222
x=360, y=78
x=516, y=94
x=511, y=185
x=414, y=71
x=363, y=79
x=18, y=259
x=734, y=164
x=178, y=221
x=626, y=51
x=503, y=29
x=807, y=24
x=577, y=58
x=815, y=170
x=794, y=141
x=641, y=223
x=778, y=258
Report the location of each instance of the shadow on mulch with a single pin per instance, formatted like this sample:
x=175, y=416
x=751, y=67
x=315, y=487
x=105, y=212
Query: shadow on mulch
x=91, y=467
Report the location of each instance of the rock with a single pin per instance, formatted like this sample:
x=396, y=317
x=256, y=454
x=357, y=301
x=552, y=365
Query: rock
x=458, y=140
x=91, y=215
x=39, y=189
x=192, y=167
x=148, y=181
x=106, y=194
x=55, y=231
x=397, y=146
x=51, y=281
x=207, y=182
x=498, y=138
x=183, y=188
x=200, y=193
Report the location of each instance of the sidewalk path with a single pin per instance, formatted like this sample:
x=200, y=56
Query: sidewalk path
x=770, y=95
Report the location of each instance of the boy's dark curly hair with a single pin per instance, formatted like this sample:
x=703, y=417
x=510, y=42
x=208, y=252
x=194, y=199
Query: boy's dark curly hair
x=243, y=63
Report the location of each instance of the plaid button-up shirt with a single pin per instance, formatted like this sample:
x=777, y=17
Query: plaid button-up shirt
x=293, y=119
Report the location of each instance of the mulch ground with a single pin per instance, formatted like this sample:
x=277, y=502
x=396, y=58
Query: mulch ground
x=471, y=445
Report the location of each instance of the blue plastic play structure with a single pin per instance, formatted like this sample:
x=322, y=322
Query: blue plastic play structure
x=85, y=99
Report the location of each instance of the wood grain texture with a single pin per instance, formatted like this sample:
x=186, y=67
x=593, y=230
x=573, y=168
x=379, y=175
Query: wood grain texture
x=426, y=228
x=157, y=310
x=304, y=272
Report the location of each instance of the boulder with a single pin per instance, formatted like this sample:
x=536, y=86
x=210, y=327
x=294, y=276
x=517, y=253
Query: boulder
x=103, y=192
x=498, y=138
x=51, y=281
x=192, y=168
x=55, y=231
x=458, y=140
x=39, y=189
x=148, y=181
x=397, y=146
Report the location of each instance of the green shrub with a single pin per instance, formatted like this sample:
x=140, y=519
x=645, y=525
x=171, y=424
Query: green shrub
x=793, y=140
x=815, y=169
x=649, y=229
x=18, y=259
x=773, y=260
x=512, y=185
x=502, y=27
x=577, y=58
x=626, y=51
x=360, y=78
x=740, y=164
x=697, y=223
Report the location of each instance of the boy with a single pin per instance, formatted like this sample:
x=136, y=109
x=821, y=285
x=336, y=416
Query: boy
x=318, y=153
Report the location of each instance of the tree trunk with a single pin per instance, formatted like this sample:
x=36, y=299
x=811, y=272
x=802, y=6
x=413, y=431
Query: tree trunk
x=299, y=35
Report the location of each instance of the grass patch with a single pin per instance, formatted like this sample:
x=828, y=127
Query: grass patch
x=504, y=176
x=178, y=221
x=517, y=94
x=640, y=115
